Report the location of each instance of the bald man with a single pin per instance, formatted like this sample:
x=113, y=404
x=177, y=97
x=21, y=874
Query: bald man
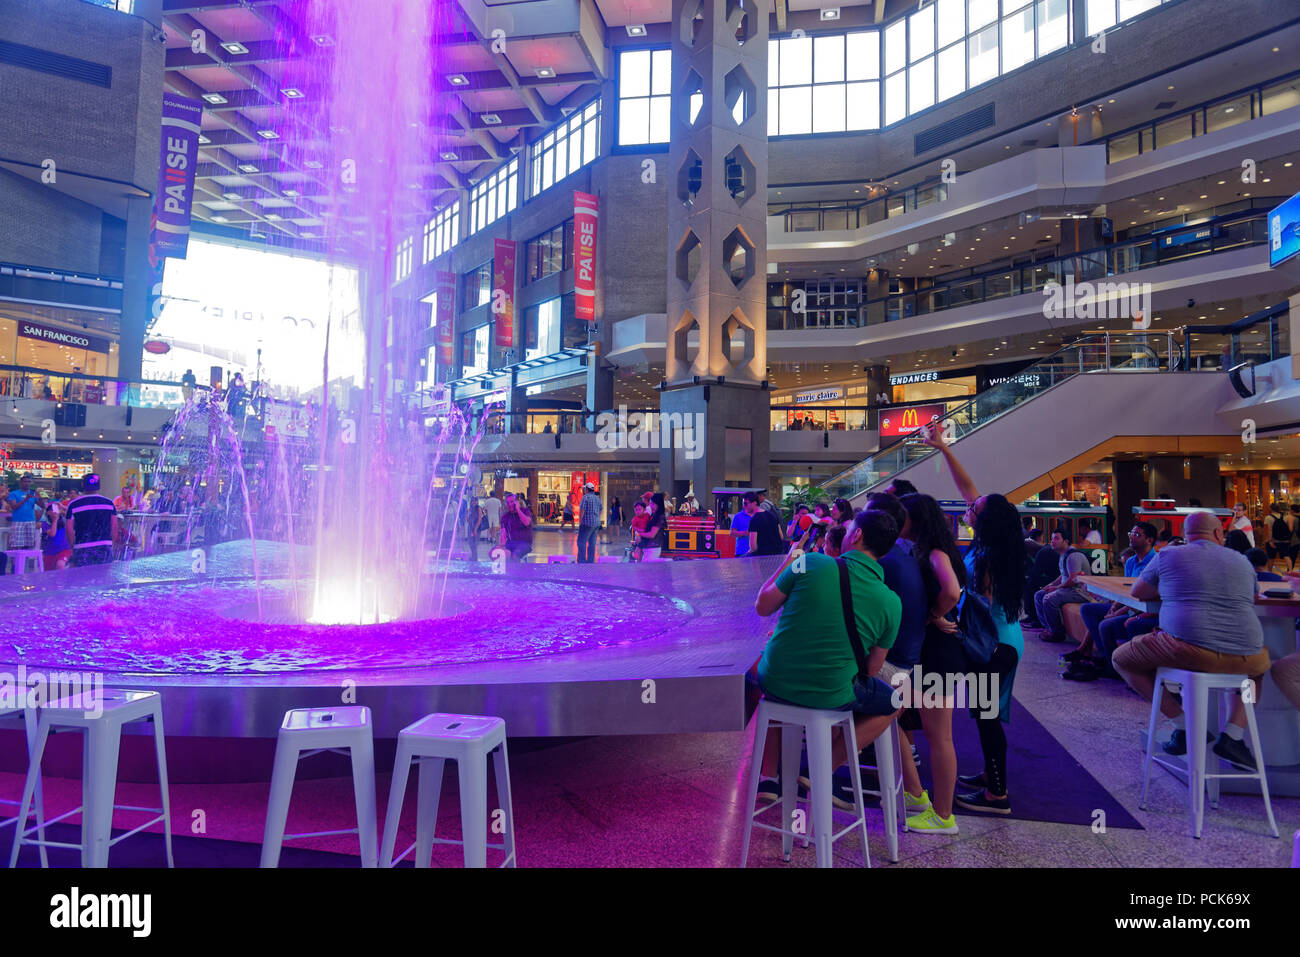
x=1207, y=623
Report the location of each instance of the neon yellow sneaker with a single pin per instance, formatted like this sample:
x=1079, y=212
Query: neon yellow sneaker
x=929, y=822
x=916, y=804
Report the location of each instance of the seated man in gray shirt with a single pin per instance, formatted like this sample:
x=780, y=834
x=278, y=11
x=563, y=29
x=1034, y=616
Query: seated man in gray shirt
x=1207, y=623
x=1065, y=590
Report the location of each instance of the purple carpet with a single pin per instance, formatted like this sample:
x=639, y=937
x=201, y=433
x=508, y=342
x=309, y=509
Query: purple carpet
x=1044, y=781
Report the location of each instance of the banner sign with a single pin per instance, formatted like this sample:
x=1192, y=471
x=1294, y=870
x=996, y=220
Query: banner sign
x=897, y=422
x=76, y=340
x=445, y=318
x=503, y=291
x=180, y=154
x=586, y=212
x=1284, y=231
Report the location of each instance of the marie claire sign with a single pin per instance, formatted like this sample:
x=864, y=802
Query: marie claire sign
x=821, y=395
x=62, y=337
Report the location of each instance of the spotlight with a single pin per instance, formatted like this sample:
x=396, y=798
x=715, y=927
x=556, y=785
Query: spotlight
x=292, y=93
x=216, y=99
x=235, y=47
x=635, y=29
x=830, y=13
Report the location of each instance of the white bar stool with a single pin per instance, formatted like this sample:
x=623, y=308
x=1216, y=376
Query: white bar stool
x=889, y=775
x=467, y=740
x=19, y=557
x=310, y=731
x=29, y=725
x=1196, y=689
x=102, y=717
x=794, y=722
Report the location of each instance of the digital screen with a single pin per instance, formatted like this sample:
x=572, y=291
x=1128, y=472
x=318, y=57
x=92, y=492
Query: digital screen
x=906, y=421
x=1284, y=231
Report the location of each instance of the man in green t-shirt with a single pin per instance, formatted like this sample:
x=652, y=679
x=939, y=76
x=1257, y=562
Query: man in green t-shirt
x=808, y=660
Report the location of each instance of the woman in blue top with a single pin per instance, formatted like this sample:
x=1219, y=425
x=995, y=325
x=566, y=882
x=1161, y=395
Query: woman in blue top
x=995, y=564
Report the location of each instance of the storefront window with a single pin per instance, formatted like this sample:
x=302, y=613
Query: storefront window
x=56, y=347
x=474, y=350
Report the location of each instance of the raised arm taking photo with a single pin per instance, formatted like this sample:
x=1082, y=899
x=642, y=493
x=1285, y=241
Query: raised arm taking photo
x=932, y=435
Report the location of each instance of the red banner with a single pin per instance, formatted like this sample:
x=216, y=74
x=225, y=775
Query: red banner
x=503, y=291
x=585, y=213
x=906, y=421
x=445, y=318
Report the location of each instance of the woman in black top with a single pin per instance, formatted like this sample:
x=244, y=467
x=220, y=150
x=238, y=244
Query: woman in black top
x=655, y=536
x=935, y=548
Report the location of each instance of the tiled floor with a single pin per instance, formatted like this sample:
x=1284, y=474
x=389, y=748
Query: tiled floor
x=673, y=800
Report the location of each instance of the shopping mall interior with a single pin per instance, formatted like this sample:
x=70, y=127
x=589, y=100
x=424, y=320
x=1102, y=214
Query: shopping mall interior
x=333, y=333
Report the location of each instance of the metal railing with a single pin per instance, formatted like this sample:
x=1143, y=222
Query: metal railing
x=855, y=213
x=1107, y=352
x=1260, y=99
x=52, y=385
x=1214, y=235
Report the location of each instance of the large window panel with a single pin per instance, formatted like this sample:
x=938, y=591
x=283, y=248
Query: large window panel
x=921, y=34
x=863, y=103
x=796, y=61
x=983, y=55
x=1053, y=25
x=494, y=196
x=952, y=71
x=796, y=110
x=1131, y=8
x=441, y=232
x=862, y=56
x=951, y=20
x=1101, y=15
x=920, y=79
x=828, y=59
x=644, y=97
x=773, y=112
x=895, y=98
x=773, y=63
x=828, y=108
x=980, y=13
x=1018, y=39
x=896, y=46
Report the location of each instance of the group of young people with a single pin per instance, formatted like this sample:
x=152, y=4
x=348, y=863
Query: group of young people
x=76, y=530
x=908, y=585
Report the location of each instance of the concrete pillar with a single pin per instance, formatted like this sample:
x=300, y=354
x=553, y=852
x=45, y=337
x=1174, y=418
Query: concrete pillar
x=716, y=357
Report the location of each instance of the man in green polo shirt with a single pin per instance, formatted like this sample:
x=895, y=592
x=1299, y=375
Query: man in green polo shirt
x=808, y=660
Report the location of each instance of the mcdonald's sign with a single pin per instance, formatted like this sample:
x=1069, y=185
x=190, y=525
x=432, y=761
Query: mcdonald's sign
x=897, y=422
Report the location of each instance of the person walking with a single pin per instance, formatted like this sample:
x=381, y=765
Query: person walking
x=588, y=524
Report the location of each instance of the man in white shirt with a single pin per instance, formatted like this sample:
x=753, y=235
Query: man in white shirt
x=1242, y=522
x=492, y=509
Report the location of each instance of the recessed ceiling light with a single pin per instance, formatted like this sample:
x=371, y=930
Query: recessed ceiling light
x=1110, y=101
x=247, y=168
x=322, y=40
x=215, y=99
x=273, y=217
x=457, y=79
x=292, y=93
x=233, y=197
x=490, y=119
x=313, y=164
x=268, y=134
x=203, y=140
x=220, y=219
x=545, y=72
x=1287, y=164
x=635, y=29
x=291, y=192
x=448, y=156
x=830, y=13
x=234, y=46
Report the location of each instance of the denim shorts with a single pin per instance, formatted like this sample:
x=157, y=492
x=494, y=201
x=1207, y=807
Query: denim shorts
x=871, y=697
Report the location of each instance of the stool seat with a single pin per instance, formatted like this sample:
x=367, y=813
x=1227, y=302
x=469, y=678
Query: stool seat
x=19, y=557
x=306, y=732
x=795, y=723
x=468, y=740
x=101, y=714
x=1197, y=686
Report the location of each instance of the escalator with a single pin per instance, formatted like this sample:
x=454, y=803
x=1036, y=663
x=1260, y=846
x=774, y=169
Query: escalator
x=1103, y=395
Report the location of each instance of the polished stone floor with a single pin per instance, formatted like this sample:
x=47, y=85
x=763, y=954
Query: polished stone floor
x=674, y=800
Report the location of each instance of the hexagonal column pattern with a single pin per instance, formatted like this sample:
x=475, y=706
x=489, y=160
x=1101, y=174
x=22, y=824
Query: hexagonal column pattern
x=716, y=331
x=719, y=152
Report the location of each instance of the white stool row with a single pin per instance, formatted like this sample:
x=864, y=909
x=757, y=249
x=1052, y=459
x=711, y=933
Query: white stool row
x=429, y=742
x=19, y=557
x=28, y=716
x=101, y=716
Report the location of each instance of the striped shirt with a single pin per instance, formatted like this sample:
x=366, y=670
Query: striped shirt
x=92, y=520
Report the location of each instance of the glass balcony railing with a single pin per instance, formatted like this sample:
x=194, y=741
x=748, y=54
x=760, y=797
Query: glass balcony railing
x=1213, y=235
x=1110, y=352
x=27, y=382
